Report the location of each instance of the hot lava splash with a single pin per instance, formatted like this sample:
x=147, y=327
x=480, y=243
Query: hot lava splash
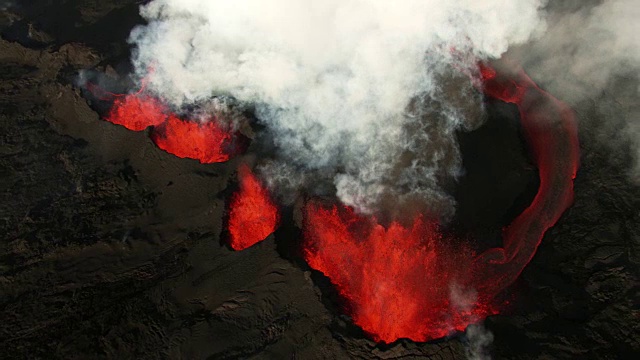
x=207, y=142
x=253, y=215
x=399, y=282
x=409, y=282
x=137, y=112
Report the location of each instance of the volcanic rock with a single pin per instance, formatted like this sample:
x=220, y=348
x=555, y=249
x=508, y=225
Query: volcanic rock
x=111, y=246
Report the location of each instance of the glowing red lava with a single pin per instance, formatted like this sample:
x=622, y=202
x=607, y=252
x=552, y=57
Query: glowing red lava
x=253, y=216
x=401, y=282
x=207, y=142
x=137, y=112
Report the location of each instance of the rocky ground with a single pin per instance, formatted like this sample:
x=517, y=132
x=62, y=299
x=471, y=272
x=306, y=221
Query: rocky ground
x=111, y=247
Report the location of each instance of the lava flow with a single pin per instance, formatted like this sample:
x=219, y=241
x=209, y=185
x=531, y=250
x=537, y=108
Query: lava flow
x=253, y=216
x=401, y=282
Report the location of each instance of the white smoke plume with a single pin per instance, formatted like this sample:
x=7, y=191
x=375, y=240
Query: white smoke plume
x=366, y=94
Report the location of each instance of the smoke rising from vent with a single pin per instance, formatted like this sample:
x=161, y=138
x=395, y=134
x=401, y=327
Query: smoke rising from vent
x=478, y=338
x=366, y=95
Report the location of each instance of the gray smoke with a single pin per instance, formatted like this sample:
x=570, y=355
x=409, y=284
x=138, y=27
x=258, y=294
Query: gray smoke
x=591, y=53
x=478, y=338
x=364, y=94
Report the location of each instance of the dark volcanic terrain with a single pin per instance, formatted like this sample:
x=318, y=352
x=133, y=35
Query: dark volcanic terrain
x=111, y=247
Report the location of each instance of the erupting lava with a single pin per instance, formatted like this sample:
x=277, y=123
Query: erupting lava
x=137, y=112
x=206, y=142
x=397, y=282
x=253, y=216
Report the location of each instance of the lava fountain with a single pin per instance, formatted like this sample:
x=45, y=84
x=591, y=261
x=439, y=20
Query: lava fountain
x=252, y=213
x=207, y=141
x=397, y=280
x=137, y=112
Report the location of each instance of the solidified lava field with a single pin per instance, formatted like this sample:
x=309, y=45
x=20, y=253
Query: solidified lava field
x=116, y=248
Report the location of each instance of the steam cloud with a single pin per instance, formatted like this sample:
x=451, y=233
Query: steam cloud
x=364, y=94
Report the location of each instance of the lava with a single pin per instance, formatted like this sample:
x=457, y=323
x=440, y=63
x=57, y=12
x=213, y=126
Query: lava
x=400, y=282
x=253, y=215
x=207, y=141
x=137, y=112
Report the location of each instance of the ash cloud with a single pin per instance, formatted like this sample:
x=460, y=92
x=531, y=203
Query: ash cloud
x=363, y=94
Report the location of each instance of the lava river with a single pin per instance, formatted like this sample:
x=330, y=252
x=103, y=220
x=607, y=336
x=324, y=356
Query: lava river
x=407, y=281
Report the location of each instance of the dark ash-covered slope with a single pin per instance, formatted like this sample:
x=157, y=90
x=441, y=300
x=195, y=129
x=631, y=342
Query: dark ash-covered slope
x=111, y=247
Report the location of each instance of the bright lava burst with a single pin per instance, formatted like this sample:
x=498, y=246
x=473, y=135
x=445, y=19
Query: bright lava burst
x=398, y=280
x=206, y=141
x=137, y=112
x=253, y=216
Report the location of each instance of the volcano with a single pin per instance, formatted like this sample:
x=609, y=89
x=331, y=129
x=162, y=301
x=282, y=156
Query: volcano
x=138, y=228
x=396, y=282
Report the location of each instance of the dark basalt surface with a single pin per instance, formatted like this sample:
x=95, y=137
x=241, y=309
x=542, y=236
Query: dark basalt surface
x=111, y=248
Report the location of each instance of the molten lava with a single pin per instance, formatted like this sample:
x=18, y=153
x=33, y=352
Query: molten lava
x=398, y=281
x=207, y=142
x=401, y=282
x=137, y=112
x=253, y=216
